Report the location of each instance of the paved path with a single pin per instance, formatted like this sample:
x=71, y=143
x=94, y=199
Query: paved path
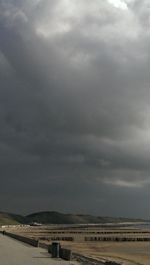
x=13, y=252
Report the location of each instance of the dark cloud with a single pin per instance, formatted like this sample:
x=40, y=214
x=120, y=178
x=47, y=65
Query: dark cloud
x=74, y=106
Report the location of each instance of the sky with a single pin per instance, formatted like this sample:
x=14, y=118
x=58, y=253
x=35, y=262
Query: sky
x=75, y=106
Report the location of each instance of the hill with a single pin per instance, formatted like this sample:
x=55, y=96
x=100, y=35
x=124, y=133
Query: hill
x=60, y=218
x=9, y=218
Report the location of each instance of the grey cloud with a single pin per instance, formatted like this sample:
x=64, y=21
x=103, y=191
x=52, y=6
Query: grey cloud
x=74, y=104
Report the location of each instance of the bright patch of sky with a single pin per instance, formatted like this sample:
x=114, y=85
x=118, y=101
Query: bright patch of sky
x=128, y=184
x=119, y=4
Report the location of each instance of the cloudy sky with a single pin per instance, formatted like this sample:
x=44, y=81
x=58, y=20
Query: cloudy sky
x=75, y=106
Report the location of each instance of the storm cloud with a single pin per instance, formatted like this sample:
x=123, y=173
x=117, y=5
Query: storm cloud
x=75, y=106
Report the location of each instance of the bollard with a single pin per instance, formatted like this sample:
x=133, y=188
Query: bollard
x=55, y=249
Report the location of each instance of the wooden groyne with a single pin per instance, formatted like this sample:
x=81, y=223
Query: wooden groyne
x=57, y=238
x=98, y=232
x=118, y=239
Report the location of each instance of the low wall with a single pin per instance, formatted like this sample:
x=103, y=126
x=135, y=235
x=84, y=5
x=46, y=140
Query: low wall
x=64, y=253
x=43, y=245
x=111, y=263
x=24, y=239
x=91, y=261
x=86, y=260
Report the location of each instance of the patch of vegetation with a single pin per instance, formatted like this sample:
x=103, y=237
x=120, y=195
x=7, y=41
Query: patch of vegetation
x=11, y=219
x=59, y=218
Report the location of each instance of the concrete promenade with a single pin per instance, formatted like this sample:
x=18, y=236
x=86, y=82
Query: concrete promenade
x=13, y=252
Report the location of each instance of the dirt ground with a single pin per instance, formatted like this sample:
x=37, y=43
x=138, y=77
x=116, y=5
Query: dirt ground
x=125, y=253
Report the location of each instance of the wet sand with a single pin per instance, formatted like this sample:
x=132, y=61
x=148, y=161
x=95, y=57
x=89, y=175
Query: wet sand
x=127, y=253
x=124, y=252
